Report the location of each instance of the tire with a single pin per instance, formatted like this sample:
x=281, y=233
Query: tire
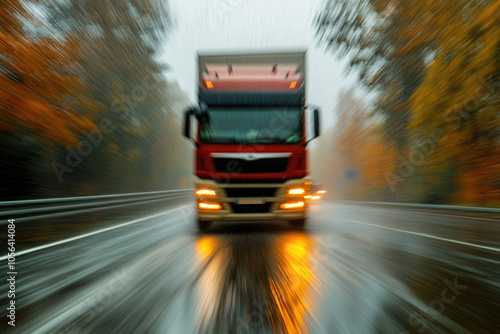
x=298, y=223
x=203, y=225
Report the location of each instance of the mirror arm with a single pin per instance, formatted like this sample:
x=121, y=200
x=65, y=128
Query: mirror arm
x=188, y=114
x=313, y=107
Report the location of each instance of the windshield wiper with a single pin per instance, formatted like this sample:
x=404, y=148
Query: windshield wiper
x=270, y=139
x=222, y=140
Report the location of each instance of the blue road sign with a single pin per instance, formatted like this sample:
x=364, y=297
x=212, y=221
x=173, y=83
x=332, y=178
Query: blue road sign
x=351, y=174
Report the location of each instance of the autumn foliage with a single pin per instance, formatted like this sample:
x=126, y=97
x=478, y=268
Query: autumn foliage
x=84, y=106
x=433, y=68
x=36, y=81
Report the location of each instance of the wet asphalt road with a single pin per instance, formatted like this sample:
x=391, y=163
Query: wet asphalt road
x=353, y=269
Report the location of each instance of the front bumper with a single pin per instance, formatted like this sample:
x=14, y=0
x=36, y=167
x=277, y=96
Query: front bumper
x=269, y=210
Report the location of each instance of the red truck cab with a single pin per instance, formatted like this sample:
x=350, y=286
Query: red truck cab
x=251, y=138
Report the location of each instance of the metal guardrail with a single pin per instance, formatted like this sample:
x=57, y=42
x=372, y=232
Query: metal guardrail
x=29, y=210
x=431, y=206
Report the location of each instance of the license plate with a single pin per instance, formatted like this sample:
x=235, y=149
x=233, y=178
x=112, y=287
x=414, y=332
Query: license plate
x=249, y=201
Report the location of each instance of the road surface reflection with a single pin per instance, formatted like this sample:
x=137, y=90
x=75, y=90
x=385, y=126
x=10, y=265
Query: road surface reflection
x=254, y=285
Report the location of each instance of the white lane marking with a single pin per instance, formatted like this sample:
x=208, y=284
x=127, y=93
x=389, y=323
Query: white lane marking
x=415, y=210
x=73, y=312
x=446, y=215
x=60, y=242
x=424, y=235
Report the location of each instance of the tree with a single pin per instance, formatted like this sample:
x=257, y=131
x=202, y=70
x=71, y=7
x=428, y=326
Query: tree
x=119, y=63
x=386, y=42
x=37, y=106
x=459, y=99
x=434, y=68
x=35, y=84
x=355, y=143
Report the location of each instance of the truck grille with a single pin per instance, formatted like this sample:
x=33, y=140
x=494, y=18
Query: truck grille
x=250, y=192
x=242, y=166
x=250, y=208
x=232, y=180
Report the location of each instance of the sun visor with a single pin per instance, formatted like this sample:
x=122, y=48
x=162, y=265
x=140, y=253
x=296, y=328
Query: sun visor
x=252, y=98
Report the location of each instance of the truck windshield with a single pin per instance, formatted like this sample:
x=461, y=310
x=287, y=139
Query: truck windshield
x=249, y=125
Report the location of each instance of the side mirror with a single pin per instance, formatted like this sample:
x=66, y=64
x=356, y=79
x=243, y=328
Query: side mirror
x=316, y=123
x=187, y=124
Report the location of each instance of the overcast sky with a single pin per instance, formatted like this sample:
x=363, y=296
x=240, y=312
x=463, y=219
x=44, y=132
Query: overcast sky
x=253, y=25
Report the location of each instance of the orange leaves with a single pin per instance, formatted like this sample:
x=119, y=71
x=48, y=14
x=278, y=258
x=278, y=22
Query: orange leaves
x=434, y=65
x=36, y=87
x=458, y=98
x=8, y=10
x=481, y=184
x=491, y=14
x=373, y=158
x=359, y=144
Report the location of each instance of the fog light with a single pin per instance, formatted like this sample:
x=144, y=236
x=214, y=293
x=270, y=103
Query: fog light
x=292, y=205
x=316, y=197
x=296, y=191
x=307, y=196
x=209, y=206
x=205, y=192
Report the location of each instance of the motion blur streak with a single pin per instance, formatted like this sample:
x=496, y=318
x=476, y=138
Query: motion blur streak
x=275, y=297
x=92, y=94
x=85, y=106
x=337, y=276
x=290, y=287
x=421, y=125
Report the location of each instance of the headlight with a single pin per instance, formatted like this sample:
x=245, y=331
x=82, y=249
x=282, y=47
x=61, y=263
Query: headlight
x=205, y=192
x=292, y=205
x=296, y=191
x=209, y=206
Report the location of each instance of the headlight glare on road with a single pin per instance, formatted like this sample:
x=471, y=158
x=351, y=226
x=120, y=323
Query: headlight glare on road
x=205, y=192
x=292, y=205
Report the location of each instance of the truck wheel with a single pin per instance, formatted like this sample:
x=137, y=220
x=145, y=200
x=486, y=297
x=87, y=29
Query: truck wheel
x=299, y=223
x=203, y=225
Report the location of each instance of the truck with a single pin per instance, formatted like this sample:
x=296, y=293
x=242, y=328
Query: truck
x=252, y=131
